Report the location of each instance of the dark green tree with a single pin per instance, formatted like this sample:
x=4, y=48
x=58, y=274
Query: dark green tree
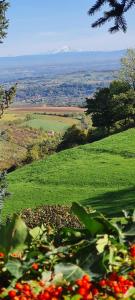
x=124, y=100
x=100, y=107
x=118, y=86
x=112, y=104
x=116, y=13
x=3, y=20
x=73, y=136
x=125, y=106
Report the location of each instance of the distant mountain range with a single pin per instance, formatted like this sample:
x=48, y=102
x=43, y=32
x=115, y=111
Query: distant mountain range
x=94, y=59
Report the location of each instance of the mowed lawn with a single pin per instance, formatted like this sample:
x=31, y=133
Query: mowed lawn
x=56, y=123
x=101, y=174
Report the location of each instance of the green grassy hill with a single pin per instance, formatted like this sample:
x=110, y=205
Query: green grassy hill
x=101, y=174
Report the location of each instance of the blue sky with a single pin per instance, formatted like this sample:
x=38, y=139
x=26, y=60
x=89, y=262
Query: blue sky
x=47, y=25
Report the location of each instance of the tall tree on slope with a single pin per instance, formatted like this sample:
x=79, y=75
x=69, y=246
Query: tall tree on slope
x=116, y=12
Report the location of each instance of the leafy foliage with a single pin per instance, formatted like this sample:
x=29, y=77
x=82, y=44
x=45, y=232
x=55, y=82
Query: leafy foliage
x=44, y=259
x=127, y=71
x=3, y=21
x=73, y=136
x=6, y=98
x=113, y=104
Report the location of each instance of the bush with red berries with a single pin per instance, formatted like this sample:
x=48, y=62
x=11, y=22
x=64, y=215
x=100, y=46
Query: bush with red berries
x=112, y=287
x=94, y=262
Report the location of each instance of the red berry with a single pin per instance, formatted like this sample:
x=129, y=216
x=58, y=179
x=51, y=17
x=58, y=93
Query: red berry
x=79, y=282
x=121, y=279
x=116, y=289
x=46, y=296
x=35, y=266
x=95, y=292
x=132, y=250
x=86, y=277
x=2, y=254
x=23, y=298
x=19, y=286
x=12, y=293
x=16, y=298
x=82, y=291
x=27, y=293
x=102, y=282
x=26, y=287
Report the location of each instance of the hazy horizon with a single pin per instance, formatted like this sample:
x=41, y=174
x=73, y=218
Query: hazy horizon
x=61, y=51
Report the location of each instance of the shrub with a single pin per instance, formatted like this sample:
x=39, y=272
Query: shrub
x=93, y=263
x=73, y=136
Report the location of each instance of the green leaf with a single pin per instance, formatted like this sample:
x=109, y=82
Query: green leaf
x=58, y=279
x=13, y=235
x=130, y=292
x=131, y=231
x=46, y=276
x=36, y=232
x=70, y=272
x=102, y=243
x=19, y=234
x=76, y=297
x=15, y=268
x=91, y=223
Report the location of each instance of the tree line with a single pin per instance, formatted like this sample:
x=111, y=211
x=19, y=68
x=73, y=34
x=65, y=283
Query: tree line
x=115, y=103
x=111, y=109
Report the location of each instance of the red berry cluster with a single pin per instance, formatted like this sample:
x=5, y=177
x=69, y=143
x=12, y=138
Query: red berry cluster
x=25, y=292
x=51, y=293
x=86, y=289
x=117, y=284
x=22, y=292
x=132, y=250
x=114, y=286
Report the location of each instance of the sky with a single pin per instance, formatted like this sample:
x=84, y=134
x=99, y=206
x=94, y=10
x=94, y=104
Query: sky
x=39, y=26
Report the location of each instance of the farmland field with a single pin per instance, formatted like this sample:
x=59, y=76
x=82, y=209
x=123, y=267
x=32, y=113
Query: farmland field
x=93, y=174
x=46, y=109
x=19, y=129
x=56, y=123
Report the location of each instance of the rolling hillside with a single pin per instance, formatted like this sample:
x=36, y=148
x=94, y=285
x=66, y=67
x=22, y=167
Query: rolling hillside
x=101, y=174
x=20, y=132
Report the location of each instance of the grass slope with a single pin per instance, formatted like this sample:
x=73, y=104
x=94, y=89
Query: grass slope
x=101, y=174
